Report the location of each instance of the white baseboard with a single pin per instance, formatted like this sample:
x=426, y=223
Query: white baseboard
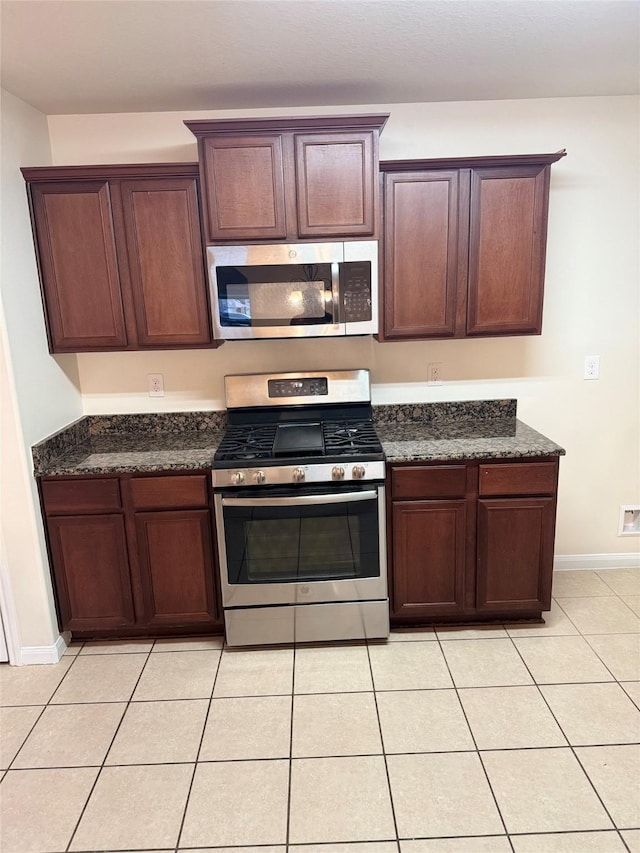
x=566, y=562
x=42, y=654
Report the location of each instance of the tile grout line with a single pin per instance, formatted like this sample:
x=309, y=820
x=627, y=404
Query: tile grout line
x=572, y=748
x=37, y=720
x=293, y=692
x=591, y=598
x=325, y=693
x=195, y=763
x=561, y=683
x=322, y=757
x=600, y=658
x=384, y=753
x=477, y=751
x=619, y=594
x=21, y=747
x=115, y=734
x=636, y=702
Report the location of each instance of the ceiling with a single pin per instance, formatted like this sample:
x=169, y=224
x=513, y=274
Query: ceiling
x=96, y=56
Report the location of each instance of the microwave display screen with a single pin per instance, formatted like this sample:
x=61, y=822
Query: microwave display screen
x=278, y=295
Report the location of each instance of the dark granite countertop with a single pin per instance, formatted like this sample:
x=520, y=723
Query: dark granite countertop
x=118, y=444
x=490, y=439
x=473, y=429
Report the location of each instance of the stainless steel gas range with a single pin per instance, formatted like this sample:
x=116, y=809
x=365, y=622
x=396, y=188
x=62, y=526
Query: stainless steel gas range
x=299, y=496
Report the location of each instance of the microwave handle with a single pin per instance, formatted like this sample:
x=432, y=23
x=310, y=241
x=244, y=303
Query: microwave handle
x=335, y=291
x=302, y=500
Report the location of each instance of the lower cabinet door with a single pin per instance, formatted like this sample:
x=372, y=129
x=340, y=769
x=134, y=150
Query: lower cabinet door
x=175, y=552
x=515, y=554
x=91, y=568
x=428, y=558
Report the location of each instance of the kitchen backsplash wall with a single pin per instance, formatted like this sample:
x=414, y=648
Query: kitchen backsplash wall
x=591, y=295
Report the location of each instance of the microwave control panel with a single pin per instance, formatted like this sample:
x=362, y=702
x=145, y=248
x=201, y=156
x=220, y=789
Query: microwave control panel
x=355, y=286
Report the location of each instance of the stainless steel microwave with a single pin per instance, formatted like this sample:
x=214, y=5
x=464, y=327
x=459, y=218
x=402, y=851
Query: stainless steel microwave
x=295, y=290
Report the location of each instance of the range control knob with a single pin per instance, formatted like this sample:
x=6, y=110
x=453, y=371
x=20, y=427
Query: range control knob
x=337, y=473
x=358, y=472
x=237, y=479
x=298, y=474
x=259, y=478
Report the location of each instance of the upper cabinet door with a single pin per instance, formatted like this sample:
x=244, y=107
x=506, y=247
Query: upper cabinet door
x=507, y=244
x=244, y=188
x=289, y=178
x=78, y=265
x=421, y=253
x=335, y=184
x=166, y=261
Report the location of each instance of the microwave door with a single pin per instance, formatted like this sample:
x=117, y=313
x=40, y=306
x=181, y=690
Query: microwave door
x=275, y=300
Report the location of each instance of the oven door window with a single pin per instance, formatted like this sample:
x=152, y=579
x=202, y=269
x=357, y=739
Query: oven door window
x=311, y=542
x=276, y=295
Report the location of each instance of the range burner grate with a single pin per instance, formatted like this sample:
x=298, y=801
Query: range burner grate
x=247, y=442
x=350, y=437
x=256, y=442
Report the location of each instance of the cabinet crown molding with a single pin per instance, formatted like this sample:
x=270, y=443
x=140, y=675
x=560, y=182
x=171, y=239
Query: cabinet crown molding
x=472, y=162
x=112, y=171
x=206, y=127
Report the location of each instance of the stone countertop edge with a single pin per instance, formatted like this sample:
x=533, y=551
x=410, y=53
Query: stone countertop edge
x=421, y=432
x=507, y=439
x=138, y=443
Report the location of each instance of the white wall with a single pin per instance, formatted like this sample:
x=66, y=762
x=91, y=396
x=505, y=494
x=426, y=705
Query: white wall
x=591, y=301
x=39, y=393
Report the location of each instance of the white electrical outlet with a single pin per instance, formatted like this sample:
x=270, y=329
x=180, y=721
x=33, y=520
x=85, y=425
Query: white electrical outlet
x=434, y=373
x=592, y=367
x=156, y=384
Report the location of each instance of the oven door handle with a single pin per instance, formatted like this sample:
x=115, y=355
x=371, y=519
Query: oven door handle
x=302, y=500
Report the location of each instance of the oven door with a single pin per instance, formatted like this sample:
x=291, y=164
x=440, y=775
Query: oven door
x=275, y=291
x=302, y=545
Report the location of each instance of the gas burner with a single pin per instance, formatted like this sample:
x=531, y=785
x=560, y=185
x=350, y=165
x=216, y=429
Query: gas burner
x=247, y=442
x=273, y=440
x=350, y=437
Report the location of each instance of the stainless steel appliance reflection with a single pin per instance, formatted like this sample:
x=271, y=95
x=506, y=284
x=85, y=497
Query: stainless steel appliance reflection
x=300, y=510
x=294, y=290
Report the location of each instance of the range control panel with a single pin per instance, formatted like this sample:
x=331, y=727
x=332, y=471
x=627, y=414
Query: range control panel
x=355, y=286
x=316, y=387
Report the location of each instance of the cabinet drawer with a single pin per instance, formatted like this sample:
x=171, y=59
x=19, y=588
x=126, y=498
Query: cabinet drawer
x=520, y=478
x=440, y=481
x=80, y=495
x=169, y=492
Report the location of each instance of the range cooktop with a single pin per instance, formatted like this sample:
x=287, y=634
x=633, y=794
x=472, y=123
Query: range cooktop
x=309, y=427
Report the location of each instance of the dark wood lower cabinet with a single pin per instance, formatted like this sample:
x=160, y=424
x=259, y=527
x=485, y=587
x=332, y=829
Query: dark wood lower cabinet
x=176, y=566
x=515, y=553
x=473, y=558
x=119, y=571
x=429, y=548
x=91, y=569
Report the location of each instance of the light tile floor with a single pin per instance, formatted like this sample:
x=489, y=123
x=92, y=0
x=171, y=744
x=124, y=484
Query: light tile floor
x=515, y=738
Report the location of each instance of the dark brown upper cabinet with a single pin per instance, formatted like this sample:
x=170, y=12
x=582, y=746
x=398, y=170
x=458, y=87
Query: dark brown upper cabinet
x=120, y=256
x=289, y=179
x=464, y=246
